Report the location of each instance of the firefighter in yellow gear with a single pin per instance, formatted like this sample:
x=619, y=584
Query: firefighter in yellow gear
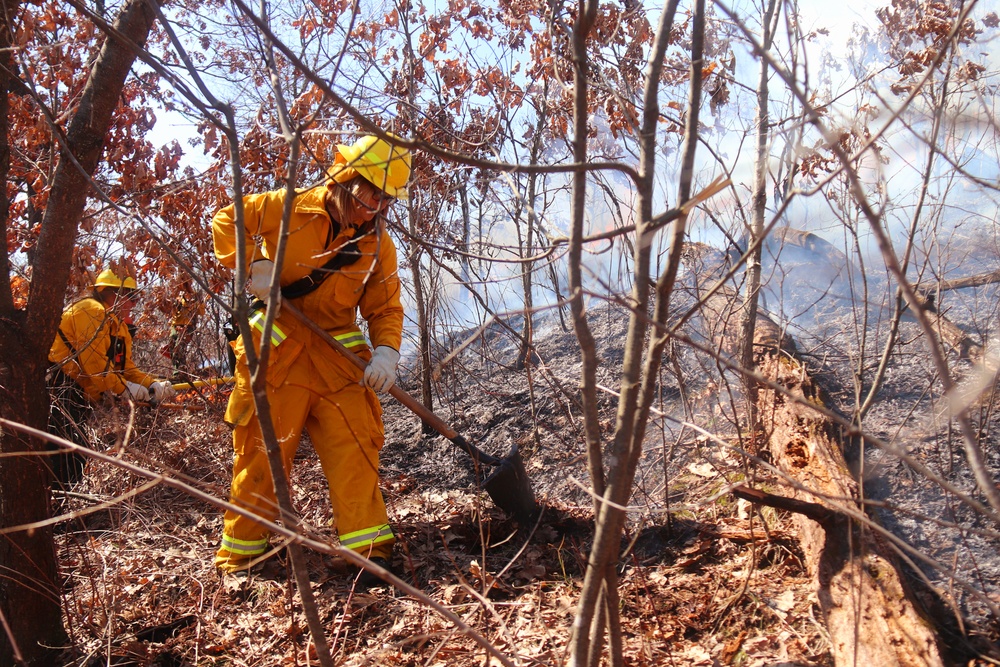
x=92, y=357
x=339, y=261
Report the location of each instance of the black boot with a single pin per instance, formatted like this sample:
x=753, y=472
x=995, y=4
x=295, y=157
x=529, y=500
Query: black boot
x=367, y=580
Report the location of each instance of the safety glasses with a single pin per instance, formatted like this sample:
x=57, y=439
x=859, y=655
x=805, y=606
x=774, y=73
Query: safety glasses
x=371, y=197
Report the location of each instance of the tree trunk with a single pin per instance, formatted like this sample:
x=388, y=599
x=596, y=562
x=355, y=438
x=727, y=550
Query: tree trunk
x=526, y=247
x=424, y=355
x=29, y=591
x=639, y=370
x=759, y=198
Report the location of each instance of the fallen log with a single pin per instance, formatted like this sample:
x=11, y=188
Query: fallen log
x=950, y=333
x=869, y=609
x=958, y=283
x=817, y=245
x=722, y=312
x=984, y=359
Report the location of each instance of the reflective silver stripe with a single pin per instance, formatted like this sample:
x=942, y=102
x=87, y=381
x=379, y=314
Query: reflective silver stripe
x=360, y=540
x=277, y=335
x=352, y=339
x=246, y=547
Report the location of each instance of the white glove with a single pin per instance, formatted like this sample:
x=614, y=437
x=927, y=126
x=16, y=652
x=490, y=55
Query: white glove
x=137, y=392
x=260, y=278
x=162, y=391
x=380, y=374
x=260, y=282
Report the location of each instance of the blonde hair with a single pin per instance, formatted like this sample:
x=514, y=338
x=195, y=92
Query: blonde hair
x=341, y=201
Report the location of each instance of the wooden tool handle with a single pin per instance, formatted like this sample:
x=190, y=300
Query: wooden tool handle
x=396, y=391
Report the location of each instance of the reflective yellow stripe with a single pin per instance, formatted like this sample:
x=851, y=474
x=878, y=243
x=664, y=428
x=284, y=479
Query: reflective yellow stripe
x=246, y=547
x=352, y=339
x=360, y=540
x=277, y=335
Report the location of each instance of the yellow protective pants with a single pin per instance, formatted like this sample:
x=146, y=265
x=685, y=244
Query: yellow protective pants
x=346, y=431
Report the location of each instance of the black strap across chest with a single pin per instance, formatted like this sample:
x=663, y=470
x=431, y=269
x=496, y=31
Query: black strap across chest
x=347, y=255
x=65, y=340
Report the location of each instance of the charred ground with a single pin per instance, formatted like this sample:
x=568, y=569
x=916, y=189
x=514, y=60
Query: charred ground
x=709, y=581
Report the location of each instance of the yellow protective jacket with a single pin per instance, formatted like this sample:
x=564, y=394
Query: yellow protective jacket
x=95, y=349
x=369, y=286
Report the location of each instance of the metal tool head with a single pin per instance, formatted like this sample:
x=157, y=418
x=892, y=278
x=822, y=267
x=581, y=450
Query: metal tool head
x=510, y=488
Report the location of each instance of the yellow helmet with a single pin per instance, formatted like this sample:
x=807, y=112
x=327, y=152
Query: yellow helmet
x=382, y=164
x=108, y=278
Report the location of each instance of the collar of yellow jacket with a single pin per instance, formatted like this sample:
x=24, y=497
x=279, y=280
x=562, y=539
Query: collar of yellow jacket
x=90, y=304
x=313, y=201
